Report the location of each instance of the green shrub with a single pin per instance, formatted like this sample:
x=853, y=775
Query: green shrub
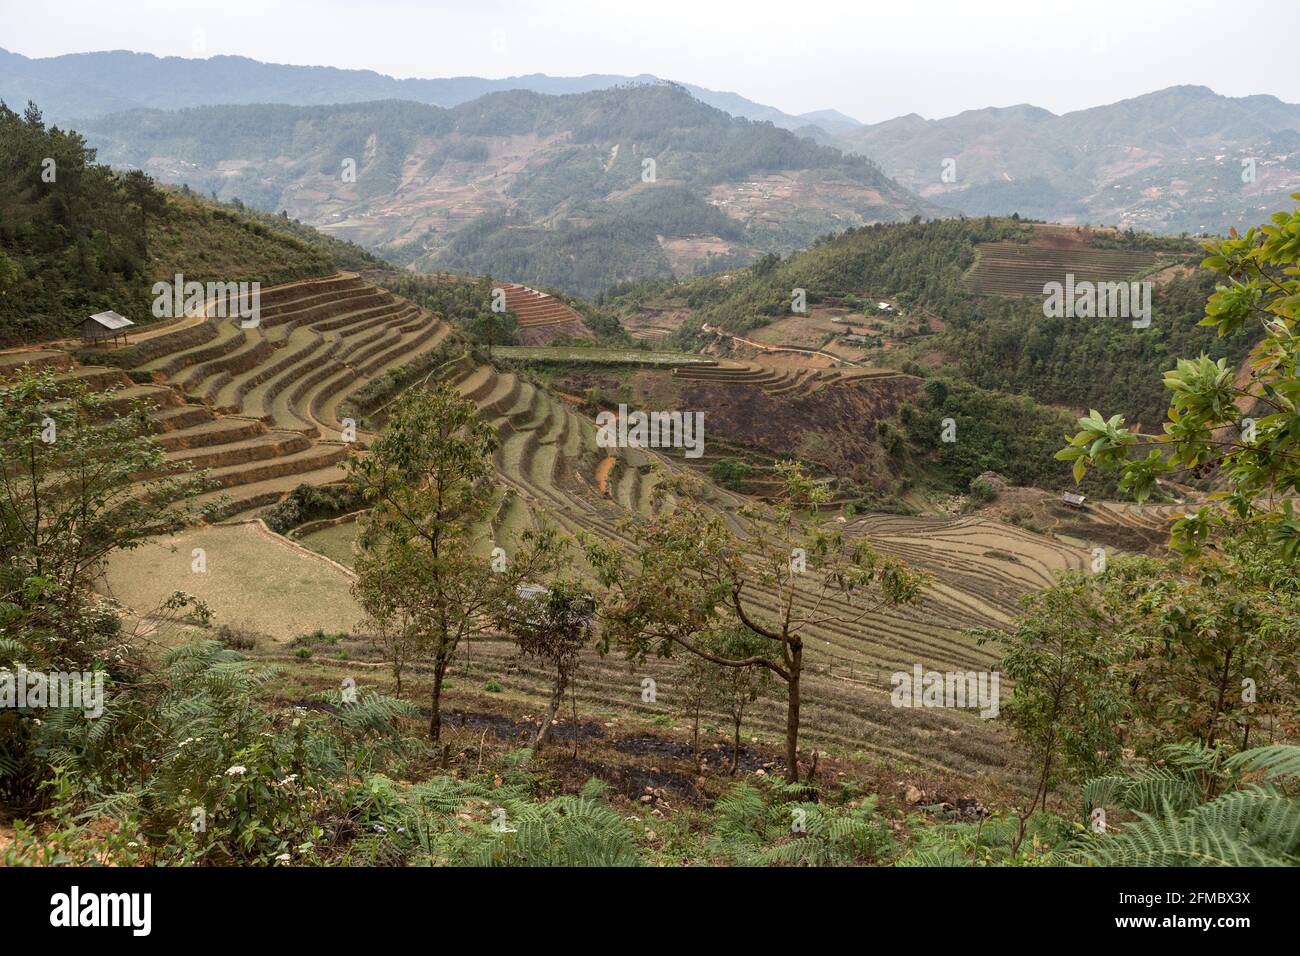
x=489, y=822
x=730, y=472
x=192, y=767
x=776, y=823
x=236, y=638
x=311, y=503
x=982, y=492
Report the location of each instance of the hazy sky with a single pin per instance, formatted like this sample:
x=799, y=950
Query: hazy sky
x=872, y=60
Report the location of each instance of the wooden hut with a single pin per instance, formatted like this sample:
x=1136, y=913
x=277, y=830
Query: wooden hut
x=105, y=327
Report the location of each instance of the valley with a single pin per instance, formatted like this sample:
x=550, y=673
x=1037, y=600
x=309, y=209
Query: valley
x=609, y=471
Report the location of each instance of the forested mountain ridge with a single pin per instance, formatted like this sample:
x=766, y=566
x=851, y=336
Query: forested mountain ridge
x=1168, y=161
x=574, y=192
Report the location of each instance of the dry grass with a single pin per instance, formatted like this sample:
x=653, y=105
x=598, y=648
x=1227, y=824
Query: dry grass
x=252, y=577
x=334, y=542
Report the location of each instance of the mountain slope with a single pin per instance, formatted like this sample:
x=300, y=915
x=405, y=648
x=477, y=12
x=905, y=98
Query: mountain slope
x=1169, y=161
x=574, y=192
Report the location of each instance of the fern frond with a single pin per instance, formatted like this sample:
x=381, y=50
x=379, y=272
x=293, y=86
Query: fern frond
x=1278, y=760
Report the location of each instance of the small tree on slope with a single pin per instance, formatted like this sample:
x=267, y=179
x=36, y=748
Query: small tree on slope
x=691, y=574
x=429, y=478
x=553, y=625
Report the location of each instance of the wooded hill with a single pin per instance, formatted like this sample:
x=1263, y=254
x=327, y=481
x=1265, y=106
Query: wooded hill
x=998, y=342
x=77, y=237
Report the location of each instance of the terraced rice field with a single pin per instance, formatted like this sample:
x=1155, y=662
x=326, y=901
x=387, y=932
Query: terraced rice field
x=335, y=542
x=848, y=715
x=317, y=340
x=250, y=462
x=541, y=317
x=795, y=382
x=33, y=358
x=1143, y=517
x=546, y=353
x=259, y=408
x=1014, y=268
x=981, y=567
x=549, y=458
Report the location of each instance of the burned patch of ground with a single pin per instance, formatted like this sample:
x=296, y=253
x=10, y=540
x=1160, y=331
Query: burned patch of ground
x=635, y=781
x=714, y=757
x=520, y=729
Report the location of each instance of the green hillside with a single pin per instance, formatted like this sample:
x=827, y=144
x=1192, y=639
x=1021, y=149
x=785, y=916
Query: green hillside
x=77, y=237
x=997, y=342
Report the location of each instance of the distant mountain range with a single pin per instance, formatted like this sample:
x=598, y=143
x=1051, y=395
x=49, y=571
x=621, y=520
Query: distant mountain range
x=80, y=86
x=1180, y=159
x=441, y=170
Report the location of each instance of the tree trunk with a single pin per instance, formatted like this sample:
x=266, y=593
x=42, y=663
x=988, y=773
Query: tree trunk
x=695, y=737
x=735, y=749
x=792, y=714
x=1218, y=703
x=1045, y=779
x=1043, y=785
x=576, y=736
x=552, y=711
x=435, y=699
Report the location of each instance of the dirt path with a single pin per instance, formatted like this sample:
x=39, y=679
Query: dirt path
x=762, y=347
x=602, y=472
